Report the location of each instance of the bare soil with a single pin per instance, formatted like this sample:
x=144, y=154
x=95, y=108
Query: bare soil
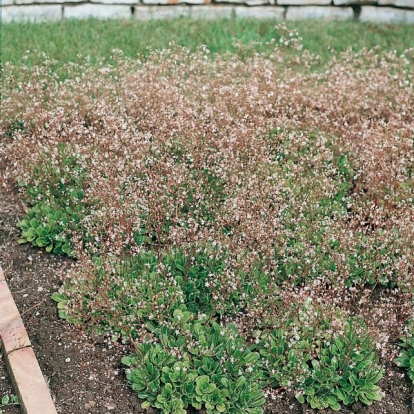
x=84, y=374
x=6, y=389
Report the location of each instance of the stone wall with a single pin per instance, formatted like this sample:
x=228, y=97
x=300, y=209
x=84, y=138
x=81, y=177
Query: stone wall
x=376, y=11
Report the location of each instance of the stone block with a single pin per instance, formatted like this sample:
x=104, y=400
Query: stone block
x=353, y=2
x=386, y=15
x=28, y=380
x=112, y=2
x=212, y=12
x=315, y=12
x=6, y=2
x=247, y=2
x=171, y=2
x=31, y=13
x=303, y=2
x=161, y=12
x=271, y=13
x=39, y=3
x=398, y=3
x=98, y=11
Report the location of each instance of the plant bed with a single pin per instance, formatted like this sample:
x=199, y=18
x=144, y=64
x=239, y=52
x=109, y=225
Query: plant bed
x=241, y=228
x=93, y=381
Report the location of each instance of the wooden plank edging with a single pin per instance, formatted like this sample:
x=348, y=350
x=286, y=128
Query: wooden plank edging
x=23, y=368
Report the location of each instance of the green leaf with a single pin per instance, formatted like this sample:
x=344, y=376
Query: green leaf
x=313, y=402
x=252, y=357
x=309, y=391
x=5, y=400
x=62, y=314
x=364, y=399
x=254, y=410
x=41, y=242
x=128, y=360
x=331, y=400
x=203, y=385
x=66, y=248
x=41, y=231
x=341, y=395
x=335, y=405
x=402, y=361
x=34, y=223
x=58, y=297
x=24, y=224
x=300, y=398
x=374, y=396
x=240, y=381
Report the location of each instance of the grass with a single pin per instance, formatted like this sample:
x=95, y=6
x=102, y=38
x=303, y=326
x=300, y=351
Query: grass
x=63, y=41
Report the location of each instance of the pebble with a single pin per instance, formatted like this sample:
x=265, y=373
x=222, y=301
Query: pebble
x=90, y=404
x=67, y=360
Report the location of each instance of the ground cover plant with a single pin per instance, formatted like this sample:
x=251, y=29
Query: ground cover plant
x=243, y=223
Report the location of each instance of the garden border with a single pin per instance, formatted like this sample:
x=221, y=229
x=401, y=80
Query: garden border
x=21, y=362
